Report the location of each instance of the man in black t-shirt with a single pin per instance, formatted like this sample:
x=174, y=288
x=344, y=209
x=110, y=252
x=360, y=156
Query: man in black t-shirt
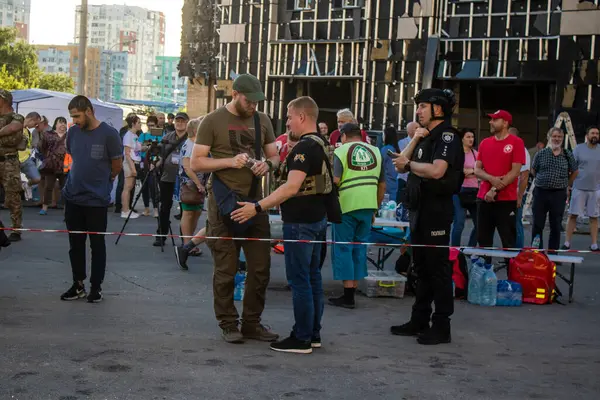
x=307, y=184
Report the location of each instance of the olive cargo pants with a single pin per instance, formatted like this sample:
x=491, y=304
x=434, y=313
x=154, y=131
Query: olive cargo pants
x=10, y=178
x=226, y=255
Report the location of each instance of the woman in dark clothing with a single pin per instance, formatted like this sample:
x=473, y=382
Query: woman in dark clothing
x=52, y=145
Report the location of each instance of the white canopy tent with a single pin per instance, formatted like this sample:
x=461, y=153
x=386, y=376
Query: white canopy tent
x=55, y=104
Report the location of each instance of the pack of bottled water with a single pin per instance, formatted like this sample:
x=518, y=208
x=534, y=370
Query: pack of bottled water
x=510, y=294
x=387, y=209
x=483, y=283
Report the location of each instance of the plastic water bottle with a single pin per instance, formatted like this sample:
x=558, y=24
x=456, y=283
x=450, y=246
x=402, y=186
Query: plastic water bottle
x=240, y=284
x=536, y=242
x=490, y=287
x=510, y=294
x=476, y=280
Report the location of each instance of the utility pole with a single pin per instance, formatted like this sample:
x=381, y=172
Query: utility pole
x=82, y=46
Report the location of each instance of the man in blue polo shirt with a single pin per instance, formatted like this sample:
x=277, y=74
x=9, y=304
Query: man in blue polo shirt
x=97, y=154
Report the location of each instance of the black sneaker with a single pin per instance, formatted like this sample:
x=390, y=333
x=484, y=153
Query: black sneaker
x=76, y=292
x=118, y=209
x=565, y=247
x=182, y=255
x=315, y=342
x=4, y=241
x=95, y=295
x=14, y=237
x=341, y=302
x=435, y=335
x=595, y=250
x=159, y=242
x=292, y=345
x=411, y=328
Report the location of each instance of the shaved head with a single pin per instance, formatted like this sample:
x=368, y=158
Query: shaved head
x=411, y=128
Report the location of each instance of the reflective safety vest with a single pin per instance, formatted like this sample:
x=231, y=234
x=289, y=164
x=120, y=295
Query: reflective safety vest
x=362, y=165
x=67, y=163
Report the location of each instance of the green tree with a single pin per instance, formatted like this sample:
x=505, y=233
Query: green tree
x=19, y=58
x=19, y=67
x=57, y=83
x=9, y=82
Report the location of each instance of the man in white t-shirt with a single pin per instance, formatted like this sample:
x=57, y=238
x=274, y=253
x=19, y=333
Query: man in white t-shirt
x=522, y=195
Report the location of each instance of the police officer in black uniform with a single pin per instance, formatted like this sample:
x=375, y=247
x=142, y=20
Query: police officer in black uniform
x=434, y=159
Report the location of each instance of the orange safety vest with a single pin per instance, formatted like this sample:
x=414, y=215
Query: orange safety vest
x=67, y=163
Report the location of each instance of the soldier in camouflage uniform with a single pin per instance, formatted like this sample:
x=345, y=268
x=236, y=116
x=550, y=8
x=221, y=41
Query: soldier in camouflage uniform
x=11, y=141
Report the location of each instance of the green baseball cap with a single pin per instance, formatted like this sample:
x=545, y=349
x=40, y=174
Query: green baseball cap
x=249, y=86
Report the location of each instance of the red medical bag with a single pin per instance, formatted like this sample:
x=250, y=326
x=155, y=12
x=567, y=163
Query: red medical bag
x=536, y=274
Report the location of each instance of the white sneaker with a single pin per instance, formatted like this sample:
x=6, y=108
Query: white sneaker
x=132, y=216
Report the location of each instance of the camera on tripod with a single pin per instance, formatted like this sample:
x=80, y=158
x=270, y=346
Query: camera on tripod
x=154, y=151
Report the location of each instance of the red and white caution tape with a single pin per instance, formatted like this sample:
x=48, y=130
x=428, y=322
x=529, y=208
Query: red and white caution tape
x=327, y=242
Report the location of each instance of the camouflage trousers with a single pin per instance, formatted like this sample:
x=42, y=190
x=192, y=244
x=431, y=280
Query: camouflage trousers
x=10, y=178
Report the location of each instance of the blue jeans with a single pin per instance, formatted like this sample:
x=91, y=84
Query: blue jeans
x=350, y=261
x=458, y=223
x=302, y=267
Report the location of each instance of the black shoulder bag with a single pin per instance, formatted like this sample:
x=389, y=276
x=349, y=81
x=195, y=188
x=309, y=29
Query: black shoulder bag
x=332, y=200
x=227, y=199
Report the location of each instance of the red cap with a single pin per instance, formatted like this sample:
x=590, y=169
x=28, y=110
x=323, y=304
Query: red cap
x=501, y=114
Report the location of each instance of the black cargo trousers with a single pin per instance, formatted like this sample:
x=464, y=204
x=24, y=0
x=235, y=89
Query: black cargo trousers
x=430, y=225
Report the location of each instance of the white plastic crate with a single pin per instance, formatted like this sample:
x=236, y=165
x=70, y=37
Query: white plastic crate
x=383, y=284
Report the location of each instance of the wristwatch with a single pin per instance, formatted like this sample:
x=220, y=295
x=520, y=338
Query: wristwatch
x=407, y=166
x=258, y=207
x=270, y=164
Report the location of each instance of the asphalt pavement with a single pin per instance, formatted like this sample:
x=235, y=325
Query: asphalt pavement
x=155, y=337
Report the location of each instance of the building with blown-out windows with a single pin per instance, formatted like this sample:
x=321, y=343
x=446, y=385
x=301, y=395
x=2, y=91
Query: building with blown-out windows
x=534, y=58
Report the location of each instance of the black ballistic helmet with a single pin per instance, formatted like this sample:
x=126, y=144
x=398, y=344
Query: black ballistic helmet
x=444, y=98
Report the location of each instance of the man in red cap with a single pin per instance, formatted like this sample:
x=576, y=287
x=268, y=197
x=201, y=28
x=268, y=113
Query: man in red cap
x=498, y=166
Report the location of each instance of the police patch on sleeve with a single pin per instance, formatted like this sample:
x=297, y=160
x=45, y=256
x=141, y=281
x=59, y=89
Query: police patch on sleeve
x=447, y=137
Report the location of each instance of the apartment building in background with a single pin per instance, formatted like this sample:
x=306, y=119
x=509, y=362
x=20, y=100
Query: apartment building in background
x=534, y=58
x=15, y=13
x=167, y=86
x=113, y=75
x=65, y=60
x=135, y=30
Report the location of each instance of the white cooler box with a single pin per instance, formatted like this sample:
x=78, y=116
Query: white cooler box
x=383, y=284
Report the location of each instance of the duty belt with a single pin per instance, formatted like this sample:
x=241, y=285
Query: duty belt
x=9, y=157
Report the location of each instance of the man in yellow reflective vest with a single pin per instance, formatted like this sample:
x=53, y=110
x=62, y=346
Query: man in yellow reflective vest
x=358, y=173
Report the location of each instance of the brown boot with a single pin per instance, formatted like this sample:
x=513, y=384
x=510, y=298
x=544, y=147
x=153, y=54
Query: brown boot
x=259, y=332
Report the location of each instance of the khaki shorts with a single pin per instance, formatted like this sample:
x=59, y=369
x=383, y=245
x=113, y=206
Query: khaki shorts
x=127, y=171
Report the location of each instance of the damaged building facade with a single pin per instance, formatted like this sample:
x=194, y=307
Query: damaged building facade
x=534, y=58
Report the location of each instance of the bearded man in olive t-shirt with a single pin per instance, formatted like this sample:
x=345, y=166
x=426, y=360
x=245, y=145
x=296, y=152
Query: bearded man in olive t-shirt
x=228, y=136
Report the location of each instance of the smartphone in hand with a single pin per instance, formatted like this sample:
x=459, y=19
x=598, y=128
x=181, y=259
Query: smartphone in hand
x=392, y=154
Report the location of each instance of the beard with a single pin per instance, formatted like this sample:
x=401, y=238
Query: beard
x=555, y=146
x=295, y=136
x=85, y=124
x=242, y=112
x=594, y=141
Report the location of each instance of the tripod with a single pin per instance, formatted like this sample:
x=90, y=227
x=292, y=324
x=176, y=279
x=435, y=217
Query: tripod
x=156, y=176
